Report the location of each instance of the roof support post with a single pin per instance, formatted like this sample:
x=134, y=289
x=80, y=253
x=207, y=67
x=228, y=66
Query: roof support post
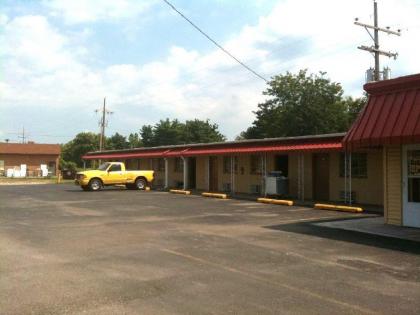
x=185, y=171
x=350, y=201
x=232, y=174
x=166, y=173
x=84, y=165
x=208, y=173
x=263, y=173
x=301, y=176
x=345, y=177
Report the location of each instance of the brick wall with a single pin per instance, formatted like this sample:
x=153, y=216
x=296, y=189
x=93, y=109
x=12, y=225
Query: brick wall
x=33, y=162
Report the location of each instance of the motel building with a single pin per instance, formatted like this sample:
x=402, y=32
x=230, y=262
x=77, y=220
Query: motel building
x=376, y=163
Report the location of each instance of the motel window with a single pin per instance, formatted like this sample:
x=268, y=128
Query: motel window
x=227, y=164
x=179, y=165
x=160, y=167
x=358, y=165
x=255, y=165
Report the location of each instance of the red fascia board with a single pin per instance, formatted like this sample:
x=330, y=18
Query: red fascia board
x=174, y=153
x=307, y=147
x=275, y=148
x=124, y=155
x=394, y=85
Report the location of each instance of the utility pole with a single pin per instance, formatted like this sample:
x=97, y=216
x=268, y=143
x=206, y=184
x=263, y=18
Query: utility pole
x=103, y=122
x=23, y=137
x=375, y=48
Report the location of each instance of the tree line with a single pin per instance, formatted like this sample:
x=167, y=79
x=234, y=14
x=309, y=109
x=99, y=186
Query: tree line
x=296, y=104
x=165, y=132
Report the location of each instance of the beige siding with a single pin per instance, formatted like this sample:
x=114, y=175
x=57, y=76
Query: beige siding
x=367, y=190
x=294, y=175
x=244, y=179
x=392, y=185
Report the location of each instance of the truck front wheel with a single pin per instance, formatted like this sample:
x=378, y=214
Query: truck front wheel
x=95, y=184
x=140, y=183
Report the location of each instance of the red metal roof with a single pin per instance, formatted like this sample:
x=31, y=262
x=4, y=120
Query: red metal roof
x=174, y=153
x=126, y=155
x=30, y=148
x=331, y=146
x=312, y=145
x=391, y=115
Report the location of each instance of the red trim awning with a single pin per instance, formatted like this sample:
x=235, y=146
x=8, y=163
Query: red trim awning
x=308, y=147
x=125, y=155
x=313, y=146
x=175, y=153
x=391, y=116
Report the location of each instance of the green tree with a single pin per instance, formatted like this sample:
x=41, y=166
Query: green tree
x=301, y=104
x=199, y=131
x=147, y=136
x=84, y=142
x=117, y=142
x=134, y=140
x=353, y=107
x=168, y=132
x=67, y=165
x=171, y=132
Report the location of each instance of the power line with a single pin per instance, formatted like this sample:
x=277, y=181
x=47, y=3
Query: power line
x=214, y=42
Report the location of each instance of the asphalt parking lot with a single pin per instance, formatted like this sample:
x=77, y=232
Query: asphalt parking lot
x=65, y=251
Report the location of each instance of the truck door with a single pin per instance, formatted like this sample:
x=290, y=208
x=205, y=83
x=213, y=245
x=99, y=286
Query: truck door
x=116, y=175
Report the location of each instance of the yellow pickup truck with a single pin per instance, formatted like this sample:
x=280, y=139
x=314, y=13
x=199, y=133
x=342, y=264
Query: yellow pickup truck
x=113, y=173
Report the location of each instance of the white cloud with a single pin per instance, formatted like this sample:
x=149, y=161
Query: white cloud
x=45, y=66
x=3, y=19
x=82, y=11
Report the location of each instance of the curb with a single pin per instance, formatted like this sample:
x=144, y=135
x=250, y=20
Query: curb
x=276, y=201
x=180, y=192
x=322, y=206
x=214, y=195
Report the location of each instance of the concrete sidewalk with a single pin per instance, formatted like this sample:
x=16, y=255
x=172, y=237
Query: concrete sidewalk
x=375, y=226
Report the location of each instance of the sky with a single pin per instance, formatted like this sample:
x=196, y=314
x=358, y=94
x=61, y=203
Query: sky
x=60, y=58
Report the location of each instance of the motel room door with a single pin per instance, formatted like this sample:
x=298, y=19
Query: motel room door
x=321, y=176
x=411, y=185
x=213, y=172
x=192, y=172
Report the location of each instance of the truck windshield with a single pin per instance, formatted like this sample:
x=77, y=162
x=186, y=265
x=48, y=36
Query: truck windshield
x=103, y=166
